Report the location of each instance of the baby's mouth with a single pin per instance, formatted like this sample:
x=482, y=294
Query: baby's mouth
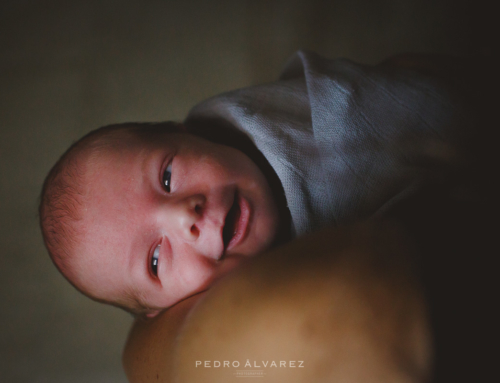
x=231, y=223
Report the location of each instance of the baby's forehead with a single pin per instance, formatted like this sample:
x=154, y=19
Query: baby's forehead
x=134, y=139
x=124, y=144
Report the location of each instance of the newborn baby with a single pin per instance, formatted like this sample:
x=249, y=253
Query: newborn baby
x=143, y=216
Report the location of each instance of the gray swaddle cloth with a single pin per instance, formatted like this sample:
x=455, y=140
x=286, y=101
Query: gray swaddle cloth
x=344, y=139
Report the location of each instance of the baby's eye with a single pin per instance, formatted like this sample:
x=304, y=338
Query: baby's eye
x=167, y=176
x=154, y=261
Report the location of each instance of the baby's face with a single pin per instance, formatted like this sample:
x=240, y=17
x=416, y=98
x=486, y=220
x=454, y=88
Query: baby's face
x=163, y=219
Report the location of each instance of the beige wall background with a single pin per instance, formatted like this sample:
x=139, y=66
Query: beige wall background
x=67, y=67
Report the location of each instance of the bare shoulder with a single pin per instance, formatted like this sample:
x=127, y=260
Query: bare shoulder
x=150, y=348
x=338, y=305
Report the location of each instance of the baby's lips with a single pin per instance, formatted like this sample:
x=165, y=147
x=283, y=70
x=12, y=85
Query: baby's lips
x=241, y=224
x=227, y=229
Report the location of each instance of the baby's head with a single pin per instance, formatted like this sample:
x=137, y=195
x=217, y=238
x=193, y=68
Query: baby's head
x=142, y=216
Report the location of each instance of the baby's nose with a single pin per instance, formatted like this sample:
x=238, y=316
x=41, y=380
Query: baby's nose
x=190, y=222
x=187, y=215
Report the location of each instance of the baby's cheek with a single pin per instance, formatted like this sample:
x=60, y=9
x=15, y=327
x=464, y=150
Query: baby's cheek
x=267, y=230
x=197, y=276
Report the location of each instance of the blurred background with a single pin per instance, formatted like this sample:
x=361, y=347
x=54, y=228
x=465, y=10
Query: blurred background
x=67, y=67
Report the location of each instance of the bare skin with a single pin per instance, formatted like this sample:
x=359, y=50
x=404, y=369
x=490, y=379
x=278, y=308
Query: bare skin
x=342, y=301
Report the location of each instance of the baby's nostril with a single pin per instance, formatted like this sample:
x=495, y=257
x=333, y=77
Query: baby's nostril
x=195, y=231
x=197, y=209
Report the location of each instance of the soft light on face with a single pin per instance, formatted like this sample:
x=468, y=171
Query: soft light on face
x=164, y=219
